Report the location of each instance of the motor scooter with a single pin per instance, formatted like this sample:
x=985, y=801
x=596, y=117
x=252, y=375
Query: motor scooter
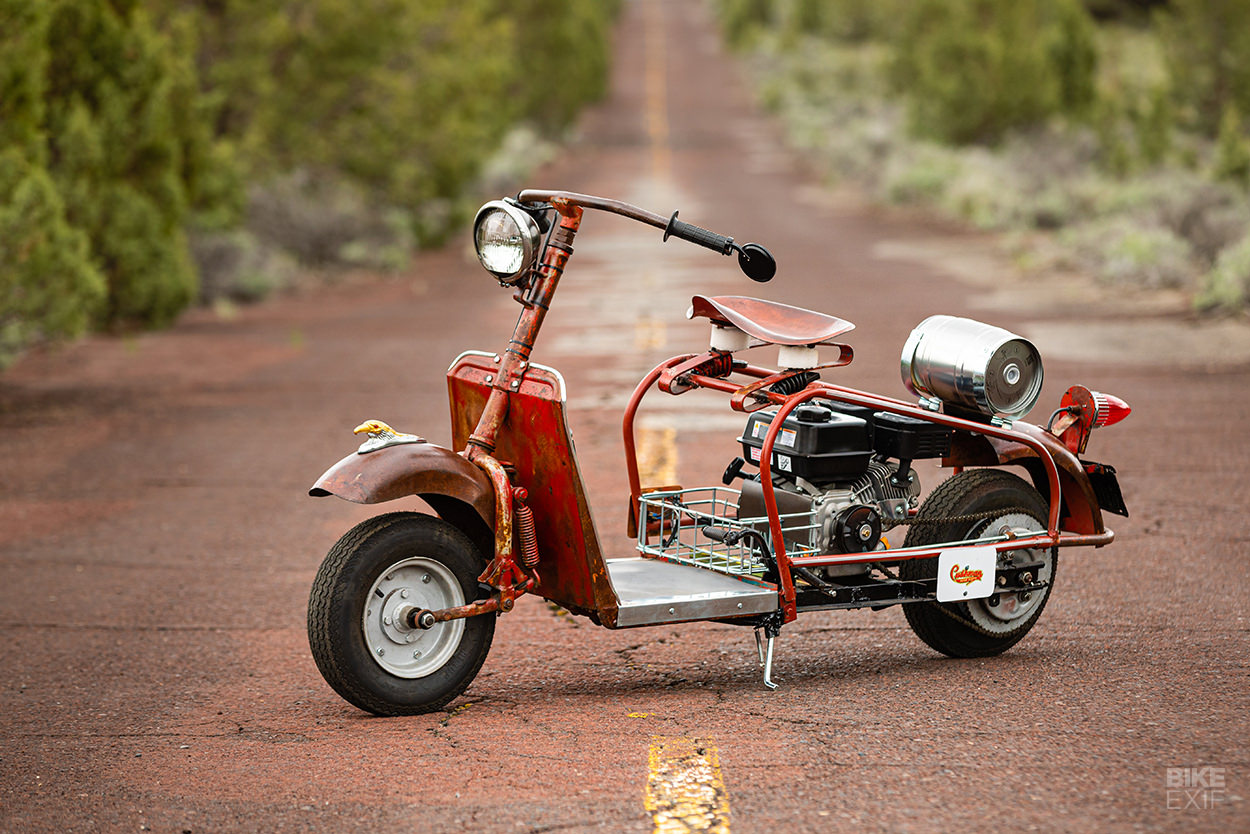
x=403, y=609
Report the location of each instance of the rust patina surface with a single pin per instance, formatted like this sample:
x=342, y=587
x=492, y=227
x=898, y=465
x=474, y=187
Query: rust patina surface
x=534, y=442
x=422, y=469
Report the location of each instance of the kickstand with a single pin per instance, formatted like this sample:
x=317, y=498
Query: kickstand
x=765, y=651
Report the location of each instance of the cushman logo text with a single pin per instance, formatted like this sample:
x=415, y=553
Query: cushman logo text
x=964, y=576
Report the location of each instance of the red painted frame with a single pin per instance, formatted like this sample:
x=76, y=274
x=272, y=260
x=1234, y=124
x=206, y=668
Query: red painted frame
x=1055, y=458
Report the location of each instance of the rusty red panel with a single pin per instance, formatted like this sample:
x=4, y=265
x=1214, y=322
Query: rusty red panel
x=533, y=440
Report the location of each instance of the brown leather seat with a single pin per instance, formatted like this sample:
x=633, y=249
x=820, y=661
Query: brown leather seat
x=778, y=324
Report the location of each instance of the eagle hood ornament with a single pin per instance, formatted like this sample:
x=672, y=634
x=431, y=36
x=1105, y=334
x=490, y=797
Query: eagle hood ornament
x=380, y=435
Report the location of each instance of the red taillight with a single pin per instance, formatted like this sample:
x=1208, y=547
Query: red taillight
x=1110, y=409
x=1081, y=411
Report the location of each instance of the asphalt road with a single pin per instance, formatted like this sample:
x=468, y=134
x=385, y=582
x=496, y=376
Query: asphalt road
x=157, y=545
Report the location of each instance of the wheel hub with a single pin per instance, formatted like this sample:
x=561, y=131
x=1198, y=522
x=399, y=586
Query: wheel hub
x=1011, y=608
x=409, y=585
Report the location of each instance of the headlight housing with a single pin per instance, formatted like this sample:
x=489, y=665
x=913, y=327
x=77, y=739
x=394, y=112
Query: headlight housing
x=507, y=241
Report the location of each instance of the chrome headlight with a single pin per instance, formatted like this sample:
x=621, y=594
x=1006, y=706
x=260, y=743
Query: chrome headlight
x=971, y=365
x=507, y=240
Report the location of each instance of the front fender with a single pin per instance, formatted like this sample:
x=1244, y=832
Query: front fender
x=422, y=469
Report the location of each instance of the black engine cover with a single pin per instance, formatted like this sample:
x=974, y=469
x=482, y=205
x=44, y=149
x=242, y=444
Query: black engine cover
x=816, y=443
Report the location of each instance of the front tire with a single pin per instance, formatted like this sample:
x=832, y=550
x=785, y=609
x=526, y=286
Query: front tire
x=356, y=628
x=976, y=628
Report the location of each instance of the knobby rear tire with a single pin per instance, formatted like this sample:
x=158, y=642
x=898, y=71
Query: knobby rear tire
x=943, y=626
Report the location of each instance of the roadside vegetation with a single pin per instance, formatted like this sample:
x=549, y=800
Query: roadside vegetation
x=1111, y=135
x=156, y=153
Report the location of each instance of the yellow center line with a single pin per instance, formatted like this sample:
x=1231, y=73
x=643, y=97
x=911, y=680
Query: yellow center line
x=657, y=448
x=685, y=792
x=656, y=75
x=657, y=456
x=649, y=332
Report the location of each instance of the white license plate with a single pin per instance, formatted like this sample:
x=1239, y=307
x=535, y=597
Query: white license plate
x=966, y=573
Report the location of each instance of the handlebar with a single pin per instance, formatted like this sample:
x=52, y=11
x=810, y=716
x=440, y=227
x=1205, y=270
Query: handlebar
x=699, y=235
x=754, y=260
x=539, y=195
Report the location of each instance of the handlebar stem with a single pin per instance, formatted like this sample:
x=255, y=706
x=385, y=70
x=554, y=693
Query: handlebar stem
x=515, y=358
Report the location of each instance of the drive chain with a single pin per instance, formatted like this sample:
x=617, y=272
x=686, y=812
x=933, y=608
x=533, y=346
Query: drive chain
x=944, y=608
x=952, y=519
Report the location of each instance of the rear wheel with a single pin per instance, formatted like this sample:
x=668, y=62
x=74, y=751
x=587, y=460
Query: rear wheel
x=357, y=624
x=990, y=626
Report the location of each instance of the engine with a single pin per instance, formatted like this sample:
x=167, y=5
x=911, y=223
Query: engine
x=841, y=474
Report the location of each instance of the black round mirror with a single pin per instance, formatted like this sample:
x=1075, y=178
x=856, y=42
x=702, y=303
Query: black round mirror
x=756, y=262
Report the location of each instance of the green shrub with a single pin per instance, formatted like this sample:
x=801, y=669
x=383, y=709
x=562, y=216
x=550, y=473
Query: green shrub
x=973, y=69
x=120, y=131
x=563, y=49
x=1227, y=285
x=1153, y=121
x=120, y=158
x=1115, y=154
x=1072, y=54
x=1232, y=150
x=23, y=64
x=1128, y=252
x=99, y=143
x=845, y=20
x=740, y=19
x=922, y=175
x=109, y=118
x=1206, y=43
x=48, y=284
x=402, y=99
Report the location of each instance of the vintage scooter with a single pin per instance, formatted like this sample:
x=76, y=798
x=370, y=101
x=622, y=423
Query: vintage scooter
x=403, y=609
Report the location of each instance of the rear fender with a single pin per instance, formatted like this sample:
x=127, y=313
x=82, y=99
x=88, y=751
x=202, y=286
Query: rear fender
x=1080, y=512
x=458, y=491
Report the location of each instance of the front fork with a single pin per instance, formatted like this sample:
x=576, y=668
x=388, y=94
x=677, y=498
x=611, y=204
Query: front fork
x=503, y=572
x=509, y=577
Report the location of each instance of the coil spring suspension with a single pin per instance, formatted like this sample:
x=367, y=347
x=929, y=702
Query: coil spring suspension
x=524, y=519
x=718, y=366
x=793, y=384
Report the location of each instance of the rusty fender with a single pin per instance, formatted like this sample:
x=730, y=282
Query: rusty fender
x=1080, y=512
x=458, y=491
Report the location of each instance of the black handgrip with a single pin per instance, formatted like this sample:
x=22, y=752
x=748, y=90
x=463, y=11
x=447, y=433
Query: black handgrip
x=722, y=534
x=699, y=235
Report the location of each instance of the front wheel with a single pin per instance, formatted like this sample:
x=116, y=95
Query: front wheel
x=974, y=504
x=357, y=627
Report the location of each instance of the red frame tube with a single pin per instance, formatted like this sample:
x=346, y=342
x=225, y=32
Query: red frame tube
x=788, y=402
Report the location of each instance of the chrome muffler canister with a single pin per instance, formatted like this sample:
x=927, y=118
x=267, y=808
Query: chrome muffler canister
x=971, y=365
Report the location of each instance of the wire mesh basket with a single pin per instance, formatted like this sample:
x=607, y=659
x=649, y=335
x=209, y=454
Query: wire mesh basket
x=670, y=527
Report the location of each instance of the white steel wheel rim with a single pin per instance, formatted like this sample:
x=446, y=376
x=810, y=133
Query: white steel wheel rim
x=412, y=652
x=1011, y=612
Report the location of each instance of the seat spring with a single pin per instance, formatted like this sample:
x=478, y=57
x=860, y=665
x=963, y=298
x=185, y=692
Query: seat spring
x=718, y=366
x=793, y=384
